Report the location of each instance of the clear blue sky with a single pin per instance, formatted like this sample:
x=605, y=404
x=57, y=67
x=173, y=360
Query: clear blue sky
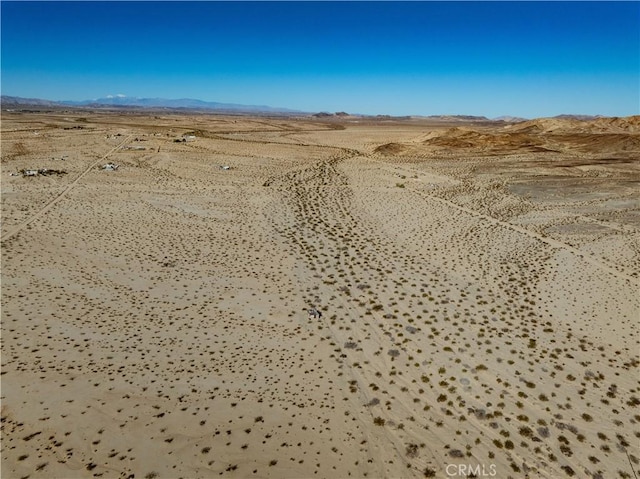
x=526, y=59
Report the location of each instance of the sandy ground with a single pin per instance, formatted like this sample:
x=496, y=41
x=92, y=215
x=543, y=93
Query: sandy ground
x=478, y=287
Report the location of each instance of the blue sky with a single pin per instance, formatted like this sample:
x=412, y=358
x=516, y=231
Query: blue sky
x=528, y=59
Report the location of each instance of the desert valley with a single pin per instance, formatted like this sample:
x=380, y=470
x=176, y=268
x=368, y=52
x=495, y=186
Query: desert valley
x=477, y=284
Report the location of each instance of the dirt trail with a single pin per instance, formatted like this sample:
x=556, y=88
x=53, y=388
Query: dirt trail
x=349, y=253
x=19, y=227
x=377, y=317
x=532, y=234
x=551, y=242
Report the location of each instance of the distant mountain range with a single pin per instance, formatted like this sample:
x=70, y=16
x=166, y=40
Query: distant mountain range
x=121, y=101
x=12, y=101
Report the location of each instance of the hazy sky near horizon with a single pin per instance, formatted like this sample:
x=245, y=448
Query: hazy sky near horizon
x=527, y=59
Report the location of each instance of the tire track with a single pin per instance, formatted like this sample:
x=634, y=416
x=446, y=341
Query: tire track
x=518, y=229
x=15, y=230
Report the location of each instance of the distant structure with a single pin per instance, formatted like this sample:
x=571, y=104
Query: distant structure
x=314, y=313
x=42, y=172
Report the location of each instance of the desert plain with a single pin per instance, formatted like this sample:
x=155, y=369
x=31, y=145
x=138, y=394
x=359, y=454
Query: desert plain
x=478, y=284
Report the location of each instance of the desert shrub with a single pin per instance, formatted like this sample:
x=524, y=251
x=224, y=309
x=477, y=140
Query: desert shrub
x=543, y=431
x=373, y=402
x=412, y=450
x=566, y=450
x=526, y=431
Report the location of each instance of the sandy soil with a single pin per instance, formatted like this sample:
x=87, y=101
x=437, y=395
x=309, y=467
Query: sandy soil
x=478, y=287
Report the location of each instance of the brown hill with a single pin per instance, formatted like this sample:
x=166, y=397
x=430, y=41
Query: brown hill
x=390, y=149
x=484, y=140
x=595, y=136
x=629, y=124
x=600, y=135
x=598, y=142
x=545, y=125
